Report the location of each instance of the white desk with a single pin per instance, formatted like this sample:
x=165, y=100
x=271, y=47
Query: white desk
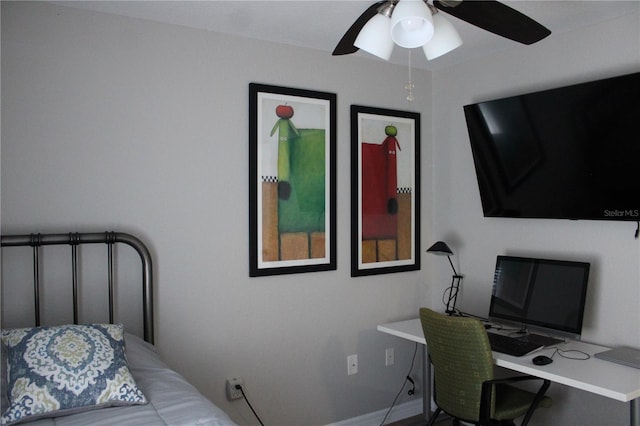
x=593, y=375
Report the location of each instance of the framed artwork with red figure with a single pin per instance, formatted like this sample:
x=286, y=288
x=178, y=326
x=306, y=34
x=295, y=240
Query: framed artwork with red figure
x=292, y=180
x=385, y=191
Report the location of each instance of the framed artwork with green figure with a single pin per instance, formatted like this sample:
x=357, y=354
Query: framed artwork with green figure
x=292, y=187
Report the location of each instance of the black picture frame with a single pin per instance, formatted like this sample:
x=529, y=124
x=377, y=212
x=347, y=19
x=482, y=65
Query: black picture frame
x=385, y=191
x=292, y=180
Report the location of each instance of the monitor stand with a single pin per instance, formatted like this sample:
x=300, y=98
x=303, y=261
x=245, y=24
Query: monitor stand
x=541, y=339
x=538, y=338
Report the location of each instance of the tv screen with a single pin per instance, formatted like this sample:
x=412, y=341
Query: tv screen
x=564, y=153
x=548, y=295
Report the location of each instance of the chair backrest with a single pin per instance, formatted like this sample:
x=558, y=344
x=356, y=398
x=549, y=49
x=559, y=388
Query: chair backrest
x=461, y=355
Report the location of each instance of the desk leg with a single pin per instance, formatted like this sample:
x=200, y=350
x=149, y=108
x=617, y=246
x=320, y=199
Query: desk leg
x=635, y=412
x=426, y=384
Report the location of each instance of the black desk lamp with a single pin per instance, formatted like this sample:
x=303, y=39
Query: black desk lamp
x=442, y=249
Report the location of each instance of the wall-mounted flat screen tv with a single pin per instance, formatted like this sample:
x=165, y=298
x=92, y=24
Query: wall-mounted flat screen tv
x=566, y=153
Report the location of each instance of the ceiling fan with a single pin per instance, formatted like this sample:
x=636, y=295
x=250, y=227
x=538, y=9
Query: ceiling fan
x=489, y=15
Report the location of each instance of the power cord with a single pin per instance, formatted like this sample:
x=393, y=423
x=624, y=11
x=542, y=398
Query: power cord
x=452, y=292
x=239, y=387
x=579, y=355
x=407, y=379
x=413, y=386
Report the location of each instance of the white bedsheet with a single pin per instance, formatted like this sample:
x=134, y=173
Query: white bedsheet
x=173, y=401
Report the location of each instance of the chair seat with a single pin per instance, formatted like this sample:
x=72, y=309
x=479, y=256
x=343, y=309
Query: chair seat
x=513, y=402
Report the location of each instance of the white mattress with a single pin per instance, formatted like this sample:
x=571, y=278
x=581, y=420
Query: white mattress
x=173, y=401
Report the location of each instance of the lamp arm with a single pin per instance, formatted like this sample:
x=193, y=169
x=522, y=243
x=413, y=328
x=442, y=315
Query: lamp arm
x=453, y=294
x=454, y=269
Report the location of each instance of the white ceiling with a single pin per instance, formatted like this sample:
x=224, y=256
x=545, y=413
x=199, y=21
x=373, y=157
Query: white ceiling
x=319, y=24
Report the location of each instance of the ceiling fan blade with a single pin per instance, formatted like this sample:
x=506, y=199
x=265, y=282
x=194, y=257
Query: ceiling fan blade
x=345, y=45
x=497, y=18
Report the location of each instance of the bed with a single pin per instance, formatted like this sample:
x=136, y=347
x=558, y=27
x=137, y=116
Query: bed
x=74, y=374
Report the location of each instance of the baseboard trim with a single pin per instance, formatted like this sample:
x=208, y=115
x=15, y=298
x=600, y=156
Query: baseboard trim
x=399, y=412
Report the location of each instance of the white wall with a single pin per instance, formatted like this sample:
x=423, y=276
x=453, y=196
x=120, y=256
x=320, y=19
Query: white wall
x=120, y=124
x=114, y=123
x=613, y=304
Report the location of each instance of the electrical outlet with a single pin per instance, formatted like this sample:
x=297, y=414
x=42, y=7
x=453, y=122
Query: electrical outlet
x=352, y=364
x=232, y=391
x=390, y=357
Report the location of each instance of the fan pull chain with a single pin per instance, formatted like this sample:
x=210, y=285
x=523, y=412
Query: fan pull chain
x=409, y=86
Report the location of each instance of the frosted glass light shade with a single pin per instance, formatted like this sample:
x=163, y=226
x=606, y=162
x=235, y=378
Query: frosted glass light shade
x=375, y=37
x=445, y=38
x=411, y=23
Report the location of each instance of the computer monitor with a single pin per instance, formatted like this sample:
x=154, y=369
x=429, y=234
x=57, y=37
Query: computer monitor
x=541, y=294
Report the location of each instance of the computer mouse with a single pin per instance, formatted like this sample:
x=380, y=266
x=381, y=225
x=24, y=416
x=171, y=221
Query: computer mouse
x=542, y=360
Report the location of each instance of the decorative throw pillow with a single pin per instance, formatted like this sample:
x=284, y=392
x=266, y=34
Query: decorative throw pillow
x=4, y=402
x=60, y=370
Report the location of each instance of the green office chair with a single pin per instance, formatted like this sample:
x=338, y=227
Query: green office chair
x=465, y=387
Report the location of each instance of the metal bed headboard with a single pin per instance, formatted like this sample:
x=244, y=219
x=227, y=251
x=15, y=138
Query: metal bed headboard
x=75, y=239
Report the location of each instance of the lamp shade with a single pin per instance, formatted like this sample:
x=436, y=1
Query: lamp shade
x=375, y=37
x=445, y=38
x=440, y=248
x=411, y=23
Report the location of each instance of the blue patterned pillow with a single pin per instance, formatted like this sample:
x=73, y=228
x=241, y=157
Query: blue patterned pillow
x=4, y=402
x=60, y=370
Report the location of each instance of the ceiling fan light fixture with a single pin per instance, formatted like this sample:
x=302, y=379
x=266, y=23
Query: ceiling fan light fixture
x=411, y=24
x=375, y=36
x=445, y=38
